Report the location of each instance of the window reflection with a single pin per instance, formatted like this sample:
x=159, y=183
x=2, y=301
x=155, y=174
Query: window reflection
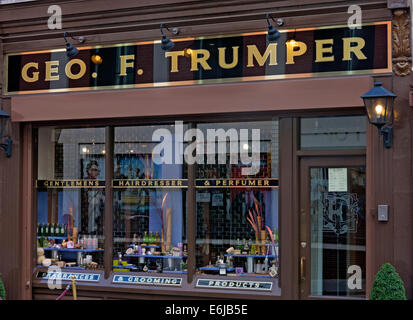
x=149, y=213
x=237, y=223
x=71, y=197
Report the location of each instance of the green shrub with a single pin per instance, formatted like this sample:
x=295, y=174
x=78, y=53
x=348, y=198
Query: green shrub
x=2, y=290
x=388, y=285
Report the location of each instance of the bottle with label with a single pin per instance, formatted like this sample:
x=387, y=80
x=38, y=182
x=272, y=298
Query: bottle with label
x=239, y=245
x=151, y=238
x=46, y=230
x=146, y=237
x=81, y=242
x=135, y=239
x=51, y=230
x=244, y=246
x=88, y=242
x=94, y=242
x=157, y=238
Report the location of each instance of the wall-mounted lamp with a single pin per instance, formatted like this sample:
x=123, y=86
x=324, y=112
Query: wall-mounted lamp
x=71, y=50
x=379, y=104
x=6, y=146
x=188, y=52
x=96, y=59
x=167, y=43
x=273, y=33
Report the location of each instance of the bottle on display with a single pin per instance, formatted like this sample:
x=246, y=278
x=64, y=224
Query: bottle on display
x=88, y=242
x=46, y=230
x=81, y=242
x=239, y=245
x=146, y=237
x=38, y=229
x=135, y=239
x=94, y=242
x=157, y=238
x=244, y=246
x=51, y=230
x=151, y=237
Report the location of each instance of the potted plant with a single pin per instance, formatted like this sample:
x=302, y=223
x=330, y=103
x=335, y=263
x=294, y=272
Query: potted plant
x=388, y=285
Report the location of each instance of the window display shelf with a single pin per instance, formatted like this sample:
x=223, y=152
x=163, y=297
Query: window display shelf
x=150, y=246
x=52, y=237
x=65, y=267
x=255, y=275
x=131, y=266
x=250, y=256
x=154, y=256
x=74, y=250
x=215, y=269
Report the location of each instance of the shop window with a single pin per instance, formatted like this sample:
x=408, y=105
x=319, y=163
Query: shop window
x=149, y=202
x=71, y=197
x=346, y=132
x=236, y=209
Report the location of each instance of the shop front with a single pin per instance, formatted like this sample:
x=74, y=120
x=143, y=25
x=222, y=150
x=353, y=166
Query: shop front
x=227, y=166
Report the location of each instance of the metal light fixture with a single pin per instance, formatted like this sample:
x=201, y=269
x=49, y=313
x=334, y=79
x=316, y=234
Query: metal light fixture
x=6, y=146
x=273, y=33
x=379, y=104
x=167, y=43
x=71, y=50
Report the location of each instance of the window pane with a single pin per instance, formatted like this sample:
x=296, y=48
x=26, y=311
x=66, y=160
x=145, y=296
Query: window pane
x=348, y=132
x=149, y=213
x=71, y=196
x=234, y=207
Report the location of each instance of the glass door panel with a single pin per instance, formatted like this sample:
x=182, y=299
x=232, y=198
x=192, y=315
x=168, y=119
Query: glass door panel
x=334, y=245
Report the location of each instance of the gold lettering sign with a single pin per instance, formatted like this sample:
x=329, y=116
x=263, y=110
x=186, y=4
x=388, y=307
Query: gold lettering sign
x=314, y=52
x=72, y=184
x=238, y=183
x=150, y=183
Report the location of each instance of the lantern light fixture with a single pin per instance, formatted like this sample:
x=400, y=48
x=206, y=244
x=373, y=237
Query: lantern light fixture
x=7, y=144
x=71, y=50
x=166, y=43
x=273, y=34
x=379, y=103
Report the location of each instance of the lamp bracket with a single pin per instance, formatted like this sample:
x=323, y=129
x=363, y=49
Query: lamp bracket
x=80, y=39
x=387, y=133
x=279, y=21
x=7, y=146
x=174, y=31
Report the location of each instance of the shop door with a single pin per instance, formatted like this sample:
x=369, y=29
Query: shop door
x=332, y=246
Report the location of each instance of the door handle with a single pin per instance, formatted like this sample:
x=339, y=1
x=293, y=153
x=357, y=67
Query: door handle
x=302, y=269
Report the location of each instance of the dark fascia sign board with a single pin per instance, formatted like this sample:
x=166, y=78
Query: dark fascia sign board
x=315, y=52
